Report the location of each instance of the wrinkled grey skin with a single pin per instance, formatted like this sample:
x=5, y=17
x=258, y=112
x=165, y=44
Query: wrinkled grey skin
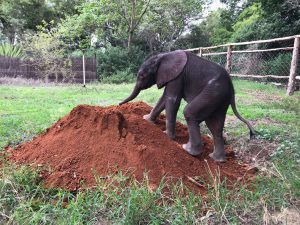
x=204, y=85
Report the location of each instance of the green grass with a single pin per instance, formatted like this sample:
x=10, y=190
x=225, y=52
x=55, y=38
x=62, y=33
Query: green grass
x=26, y=111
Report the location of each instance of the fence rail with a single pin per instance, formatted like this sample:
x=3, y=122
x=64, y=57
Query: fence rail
x=13, y=67
x=274, y=60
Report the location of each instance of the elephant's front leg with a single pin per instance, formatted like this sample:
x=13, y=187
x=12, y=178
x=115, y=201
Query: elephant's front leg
x=172, y=106
x=159, y=107
x=173, y=96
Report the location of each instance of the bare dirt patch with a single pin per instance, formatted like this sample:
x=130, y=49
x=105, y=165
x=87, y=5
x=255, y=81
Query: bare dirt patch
x=255, y=150
x=94, y=140
x=288, y=216
x=261, y=96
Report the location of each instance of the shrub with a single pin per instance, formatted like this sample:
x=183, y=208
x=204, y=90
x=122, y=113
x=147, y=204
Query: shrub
x=279, y=65
x=124, y=76
x=45, y=51
x=115, y=65
x=13, y=51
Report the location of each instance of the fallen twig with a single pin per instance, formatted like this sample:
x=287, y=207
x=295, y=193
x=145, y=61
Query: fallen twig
x=195, y=182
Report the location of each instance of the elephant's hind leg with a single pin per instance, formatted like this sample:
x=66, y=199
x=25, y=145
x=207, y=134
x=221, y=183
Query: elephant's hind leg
x=215, y=124
x=196, y=111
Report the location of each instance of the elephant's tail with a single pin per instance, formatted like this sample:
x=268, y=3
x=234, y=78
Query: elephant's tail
x=233, y=106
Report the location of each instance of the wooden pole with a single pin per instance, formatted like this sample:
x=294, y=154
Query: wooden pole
x=228, y=58
x=83, y=70
x=200, y=52
x=293, y=70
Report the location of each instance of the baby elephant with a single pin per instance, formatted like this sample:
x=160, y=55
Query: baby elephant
x=204, y=85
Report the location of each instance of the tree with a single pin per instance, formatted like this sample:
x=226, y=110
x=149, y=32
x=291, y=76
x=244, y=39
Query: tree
x=198, y=37
x=19, y=16
x=110, y=21
x=281, y=17
x=262, y=19
x=167, y=20
x=62, y=8
x=132, y=13
x=246, y=26
x=45, y=50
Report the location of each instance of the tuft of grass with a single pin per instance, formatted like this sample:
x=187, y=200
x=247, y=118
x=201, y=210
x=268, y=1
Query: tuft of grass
x=122, y=201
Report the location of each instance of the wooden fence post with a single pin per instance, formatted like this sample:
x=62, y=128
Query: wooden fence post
x=228, y=58
x=200, y=52
x=83, y=69
x=293, y=69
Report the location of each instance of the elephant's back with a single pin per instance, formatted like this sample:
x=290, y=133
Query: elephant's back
x=199, y=72
x=203, y=66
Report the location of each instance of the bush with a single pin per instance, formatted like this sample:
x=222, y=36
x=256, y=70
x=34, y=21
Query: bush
x=46, y=52
x=14, y=51
x=125, y=76
x=115, y=65
x=280, y=65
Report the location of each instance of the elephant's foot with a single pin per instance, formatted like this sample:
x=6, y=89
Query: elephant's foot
x=170, y=135
x=149, y=118
x=218, y=157
x=192, y=150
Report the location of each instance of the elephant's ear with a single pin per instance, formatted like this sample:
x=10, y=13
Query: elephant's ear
x=171, y=65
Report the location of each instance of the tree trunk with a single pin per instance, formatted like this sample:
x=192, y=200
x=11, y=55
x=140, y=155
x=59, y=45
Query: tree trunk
x=129, y=43
x=131, y=25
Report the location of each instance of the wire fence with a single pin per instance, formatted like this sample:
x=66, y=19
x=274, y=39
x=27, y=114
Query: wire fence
x=273, y=61
x=273, y=66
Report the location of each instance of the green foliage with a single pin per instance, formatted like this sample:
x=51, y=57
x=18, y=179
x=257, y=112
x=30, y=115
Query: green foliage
x=245, y=27
x=119, y=77
x=282, y=17
x=13, y=51
x=45, y=50
x=167, y=20
x=199, y=36
x=278, y=65
x=219, y=28
x=77, y=30
x=272, y=18
x=122, y=23
x=108, y=22
x=19, y=16
x=115, y=63
x=250, y=20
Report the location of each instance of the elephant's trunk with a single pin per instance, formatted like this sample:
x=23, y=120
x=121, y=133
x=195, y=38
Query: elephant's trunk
x=134, y=93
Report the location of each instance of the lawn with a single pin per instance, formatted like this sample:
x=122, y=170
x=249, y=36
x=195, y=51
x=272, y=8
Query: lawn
x=26, y=111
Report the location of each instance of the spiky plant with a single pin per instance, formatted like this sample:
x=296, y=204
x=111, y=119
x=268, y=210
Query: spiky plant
x=9, y=50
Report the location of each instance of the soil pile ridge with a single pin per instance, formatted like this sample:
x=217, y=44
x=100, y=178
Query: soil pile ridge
x=94, y=140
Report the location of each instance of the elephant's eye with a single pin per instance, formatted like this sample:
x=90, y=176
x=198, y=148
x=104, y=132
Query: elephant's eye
x=142, y=73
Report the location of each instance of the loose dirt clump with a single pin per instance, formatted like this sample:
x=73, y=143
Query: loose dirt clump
x=97, y=141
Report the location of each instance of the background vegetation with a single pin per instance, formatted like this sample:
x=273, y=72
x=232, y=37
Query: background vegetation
x=138, y=28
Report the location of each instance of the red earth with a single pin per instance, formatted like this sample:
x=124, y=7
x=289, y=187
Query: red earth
x=94, y=140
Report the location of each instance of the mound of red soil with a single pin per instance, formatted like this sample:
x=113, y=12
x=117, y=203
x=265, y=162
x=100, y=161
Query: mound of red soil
x=94, y=140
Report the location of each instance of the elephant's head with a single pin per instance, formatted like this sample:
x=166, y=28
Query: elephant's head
x=159, y=70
